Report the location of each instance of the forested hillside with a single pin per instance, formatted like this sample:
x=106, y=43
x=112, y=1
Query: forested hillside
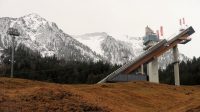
x=31, y=65
x=189, y=73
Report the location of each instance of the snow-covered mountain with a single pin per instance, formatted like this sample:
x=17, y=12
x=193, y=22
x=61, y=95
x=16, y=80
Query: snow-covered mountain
x=116, y=51
x=121, y=49
x=43, y=36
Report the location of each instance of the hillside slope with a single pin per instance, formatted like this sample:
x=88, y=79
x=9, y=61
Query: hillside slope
x=25, y=95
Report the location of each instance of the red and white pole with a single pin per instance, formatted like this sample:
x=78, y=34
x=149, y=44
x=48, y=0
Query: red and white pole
x=161, y=31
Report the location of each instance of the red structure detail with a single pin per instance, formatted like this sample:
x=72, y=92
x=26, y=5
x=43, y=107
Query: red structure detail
x=161, y=30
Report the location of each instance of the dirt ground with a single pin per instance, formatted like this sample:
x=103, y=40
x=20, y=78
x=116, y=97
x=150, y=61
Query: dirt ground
x=20, y=95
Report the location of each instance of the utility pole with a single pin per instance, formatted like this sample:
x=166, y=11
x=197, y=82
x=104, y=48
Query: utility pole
x=12, y=32
x=12, y=60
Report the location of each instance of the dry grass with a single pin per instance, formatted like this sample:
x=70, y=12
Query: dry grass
x=25, y=95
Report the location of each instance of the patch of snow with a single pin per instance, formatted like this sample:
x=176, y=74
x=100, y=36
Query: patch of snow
x=83, y=52
x=31, y=35
x=47, y=53
x=136, y=43
x=34, y=21
x=94, y=43
x=50, y=24
x=12, y=23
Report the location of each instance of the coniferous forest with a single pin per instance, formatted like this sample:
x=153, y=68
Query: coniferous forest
x=31, y=65
x=189, y=73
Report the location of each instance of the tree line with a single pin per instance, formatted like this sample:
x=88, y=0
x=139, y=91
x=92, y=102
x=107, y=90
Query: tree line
x=31, y=65
x=189, y=73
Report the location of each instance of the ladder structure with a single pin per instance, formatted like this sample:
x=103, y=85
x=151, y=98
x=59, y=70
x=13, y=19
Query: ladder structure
x=124, y=73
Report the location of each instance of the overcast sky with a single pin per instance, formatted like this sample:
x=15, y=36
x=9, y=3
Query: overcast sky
x=116, y=17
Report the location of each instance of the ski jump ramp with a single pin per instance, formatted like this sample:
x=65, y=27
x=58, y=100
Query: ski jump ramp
x=152, y=53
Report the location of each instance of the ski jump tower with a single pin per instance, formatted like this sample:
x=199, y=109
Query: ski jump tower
x=150, y=39
x=154, y=47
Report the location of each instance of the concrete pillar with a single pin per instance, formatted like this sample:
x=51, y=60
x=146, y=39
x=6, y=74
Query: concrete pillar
x=141, y=69
x=152, y=71
x=176, y=65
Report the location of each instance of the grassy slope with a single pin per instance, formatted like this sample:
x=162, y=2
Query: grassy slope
x=26, y=95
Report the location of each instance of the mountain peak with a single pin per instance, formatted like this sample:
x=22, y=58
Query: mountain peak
x=32, y=15
x=33, y=20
